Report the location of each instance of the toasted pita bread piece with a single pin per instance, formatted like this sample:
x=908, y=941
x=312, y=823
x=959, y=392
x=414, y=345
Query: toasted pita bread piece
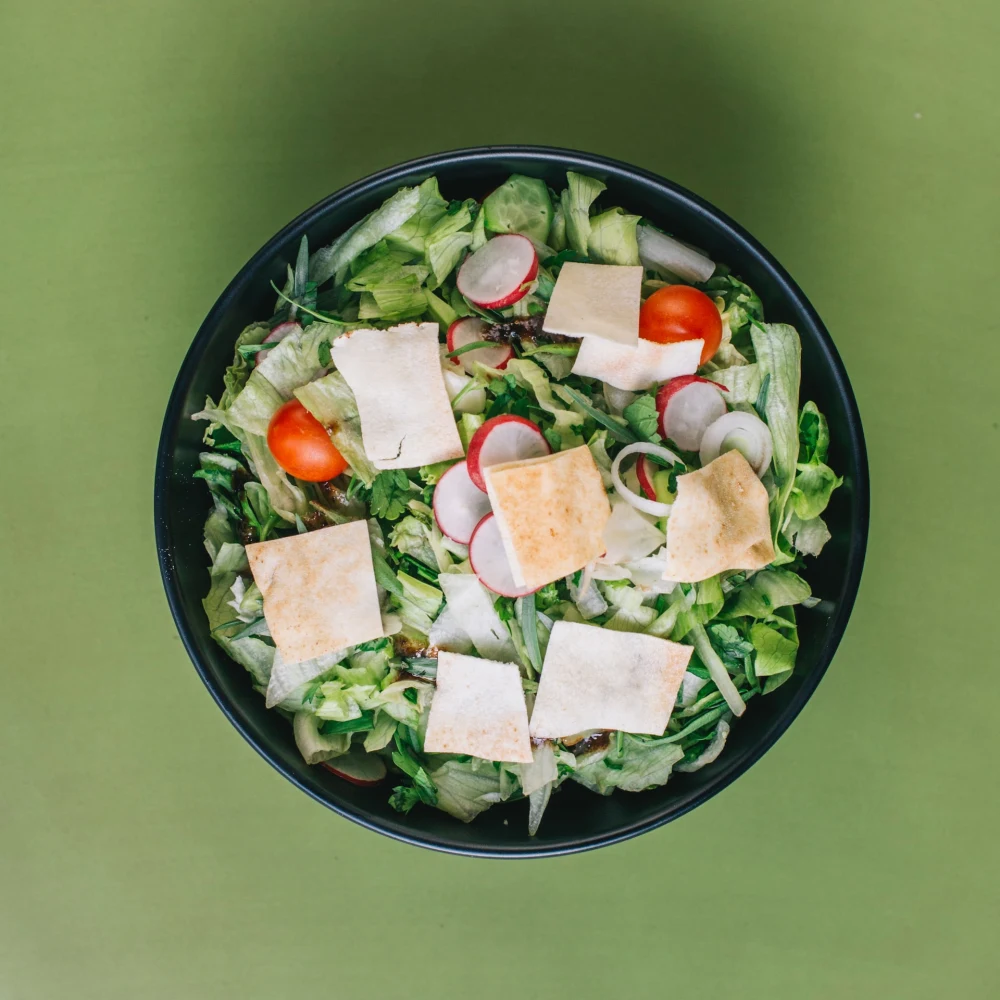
x=718, y=522
x=636, y=368
x=594, y=678
x=479, y=709
x=551, y=512
x=396, y=378
x=596, y=300
x=319, y=590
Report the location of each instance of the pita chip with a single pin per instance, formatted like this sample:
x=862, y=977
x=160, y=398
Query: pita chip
x=596, y=300
x=319, y=590
x=396, y=378
x=718, y=522
x=479, y=709
x=636, y=368
x=594, y=678
x=551, y=512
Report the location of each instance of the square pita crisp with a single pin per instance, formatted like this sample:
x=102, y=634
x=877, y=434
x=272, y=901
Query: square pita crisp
x=319, y=590
x=718, y=522
x=593, y=678
x=551, y=512
x=479, y=709
x=396, y=378
x=596, y=300
x=636, y=368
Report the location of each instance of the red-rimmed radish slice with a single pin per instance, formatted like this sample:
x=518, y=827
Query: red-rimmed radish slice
x=497, y=273
x=489, y=560
x=459, y=505
x=644, y=470
x=687, y=406
x=281, y=331
x=653, y=507
x=745, y=432
x=469, y=330
x=506, y=438
x=358, y=767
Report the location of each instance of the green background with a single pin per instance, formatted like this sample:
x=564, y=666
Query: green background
x=146, y=151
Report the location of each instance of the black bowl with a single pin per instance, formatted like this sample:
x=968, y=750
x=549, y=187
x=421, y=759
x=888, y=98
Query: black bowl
x=576, y=820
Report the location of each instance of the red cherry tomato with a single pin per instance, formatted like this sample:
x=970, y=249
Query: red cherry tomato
x=301, y=445
x=680, y=312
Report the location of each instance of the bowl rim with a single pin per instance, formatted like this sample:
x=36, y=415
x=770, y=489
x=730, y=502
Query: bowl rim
x=583, y=162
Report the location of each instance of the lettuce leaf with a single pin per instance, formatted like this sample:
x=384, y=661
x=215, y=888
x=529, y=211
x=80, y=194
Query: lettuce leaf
x=393, y=213
x=331, y=401
x=520, y=205
x=741, y=381
x=412, y=233
x=466, y=788
x=815, y=481
x=779, y=356
x=641, y=764
x=580, y=193
x=767, y=590
x=612, y=238
x=807, y=537
x=775, y=653
x=568, y=423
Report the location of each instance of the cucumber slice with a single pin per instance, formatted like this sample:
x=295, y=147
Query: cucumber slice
x=520, y=205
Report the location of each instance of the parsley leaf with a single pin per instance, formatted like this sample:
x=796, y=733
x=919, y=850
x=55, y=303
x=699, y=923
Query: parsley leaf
x=643, y=417
x=389, y=494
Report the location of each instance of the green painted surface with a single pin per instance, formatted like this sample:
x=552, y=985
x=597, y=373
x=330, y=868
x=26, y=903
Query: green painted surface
x=147, y=150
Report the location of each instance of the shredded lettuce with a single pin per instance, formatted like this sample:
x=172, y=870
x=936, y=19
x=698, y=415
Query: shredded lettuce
x=331, y=401
x=580, y=193
x=640, y=764
x=388, y=218
x=612, y=238
x=520, y=205
x=779, y=357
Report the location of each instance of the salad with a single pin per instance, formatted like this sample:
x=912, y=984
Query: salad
x=511, y=493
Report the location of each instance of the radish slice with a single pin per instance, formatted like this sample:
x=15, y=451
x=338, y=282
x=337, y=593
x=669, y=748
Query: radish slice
x=498, y=273
x=688, y=405
x=359, y=768
x=469, y=330
x=489, y=560
x=281, y=331
x=459, y=505
x=745, y=432
x=644, y=470
x=507, y=438
x=653, y=507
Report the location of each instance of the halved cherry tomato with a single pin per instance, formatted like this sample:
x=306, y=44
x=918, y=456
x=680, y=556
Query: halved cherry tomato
x=301, y=445
x=680, y=312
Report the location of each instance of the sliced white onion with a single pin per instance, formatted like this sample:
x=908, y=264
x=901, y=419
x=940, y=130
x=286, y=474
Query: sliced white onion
x=653, y=507
x=742, y=431
x=657, y=250
x=617, y=399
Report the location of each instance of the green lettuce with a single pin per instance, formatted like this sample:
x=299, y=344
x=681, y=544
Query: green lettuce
x=393, y=213
x=807, y=537
x=815, y=481
x=580, y=193
x=767, y=590
x=412, y=234
x=466, y=788
x=741, y=381
x=639, y=765
x=779, y=355
x=567, y=422
x=775, y=653
x=612, y=238
x=520, y=205
x=331, y=401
